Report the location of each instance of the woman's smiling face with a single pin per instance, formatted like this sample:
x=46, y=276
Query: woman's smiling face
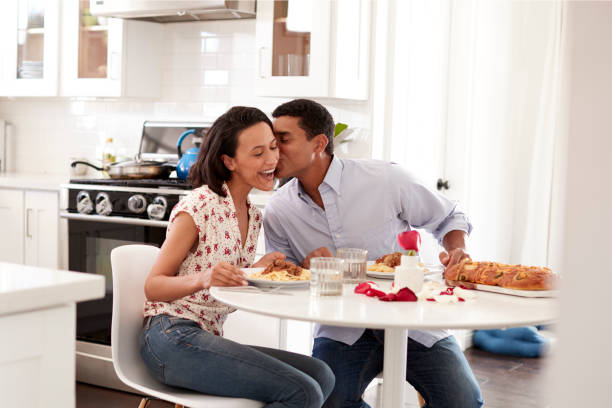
x=256, y=157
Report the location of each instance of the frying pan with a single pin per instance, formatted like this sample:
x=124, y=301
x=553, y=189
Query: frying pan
x=133, y=169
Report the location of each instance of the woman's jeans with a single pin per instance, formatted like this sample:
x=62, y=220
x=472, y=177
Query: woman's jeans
x=179, y=353
x=441, y=374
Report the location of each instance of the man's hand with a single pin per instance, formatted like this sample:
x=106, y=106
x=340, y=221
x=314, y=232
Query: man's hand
x=323, y=251
x=455, y=243
x=222, y=274
x=267, y=259
x=454, y=256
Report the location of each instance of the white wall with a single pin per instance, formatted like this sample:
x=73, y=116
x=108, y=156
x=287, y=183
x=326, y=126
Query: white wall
x=581, y=371
x=206, y=68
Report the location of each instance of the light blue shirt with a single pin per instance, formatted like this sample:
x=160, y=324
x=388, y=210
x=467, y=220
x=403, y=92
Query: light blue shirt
x=367, y=203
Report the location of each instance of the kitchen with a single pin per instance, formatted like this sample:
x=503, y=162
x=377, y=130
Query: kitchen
x=194, y=71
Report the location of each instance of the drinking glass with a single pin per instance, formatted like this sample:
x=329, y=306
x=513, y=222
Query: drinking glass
x=355, y=264
x=326, y=276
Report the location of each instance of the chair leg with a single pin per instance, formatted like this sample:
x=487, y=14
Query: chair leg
x=144, y=403
x=421, y=400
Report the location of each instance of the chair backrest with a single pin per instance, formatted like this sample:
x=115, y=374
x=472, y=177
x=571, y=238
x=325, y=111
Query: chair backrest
x=131, y=265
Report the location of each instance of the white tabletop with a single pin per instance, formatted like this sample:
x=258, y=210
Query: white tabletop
x=24, y=288
x=487, y=310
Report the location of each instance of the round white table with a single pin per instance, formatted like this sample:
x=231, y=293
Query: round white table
x=486, y=311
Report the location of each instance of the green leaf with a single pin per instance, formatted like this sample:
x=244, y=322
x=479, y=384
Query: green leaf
x=339, y=128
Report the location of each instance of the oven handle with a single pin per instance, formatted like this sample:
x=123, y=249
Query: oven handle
x=113, y=220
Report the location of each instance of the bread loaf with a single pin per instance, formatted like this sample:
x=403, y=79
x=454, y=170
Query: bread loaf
x=497, y=274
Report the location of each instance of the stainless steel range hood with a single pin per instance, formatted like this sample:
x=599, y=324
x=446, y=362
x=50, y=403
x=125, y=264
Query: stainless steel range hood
x=171, y=11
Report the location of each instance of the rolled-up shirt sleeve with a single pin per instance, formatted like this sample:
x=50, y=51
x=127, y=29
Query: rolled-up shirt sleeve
x=423, y=208
x=275, y=235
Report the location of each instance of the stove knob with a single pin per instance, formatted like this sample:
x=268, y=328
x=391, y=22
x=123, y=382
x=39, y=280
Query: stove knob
x=157, y=209
x=137, y=204
x=83, y=203
x=103, y=204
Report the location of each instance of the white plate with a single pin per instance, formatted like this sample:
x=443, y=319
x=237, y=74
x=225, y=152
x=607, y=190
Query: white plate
x=431, y=270
x=264, y=283
x=506, y=291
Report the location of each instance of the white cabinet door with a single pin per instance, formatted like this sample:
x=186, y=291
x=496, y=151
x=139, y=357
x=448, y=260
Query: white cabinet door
x=11, y=219
x=293, y=48
x=313, y=48
x=108, y=56
x=37, y=358
x=29, y=34
x=41, y=229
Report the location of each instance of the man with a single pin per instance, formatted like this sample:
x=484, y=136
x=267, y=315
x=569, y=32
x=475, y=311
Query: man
x=333, y=203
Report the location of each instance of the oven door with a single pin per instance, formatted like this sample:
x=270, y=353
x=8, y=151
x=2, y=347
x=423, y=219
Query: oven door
x=91, y=238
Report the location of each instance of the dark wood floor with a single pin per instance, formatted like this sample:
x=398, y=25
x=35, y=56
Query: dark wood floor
x=506, y=382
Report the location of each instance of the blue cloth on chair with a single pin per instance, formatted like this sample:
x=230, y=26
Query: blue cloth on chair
x=517, y=341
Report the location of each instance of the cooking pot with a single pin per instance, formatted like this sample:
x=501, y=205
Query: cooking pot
x=133, y=169
x=186, y=159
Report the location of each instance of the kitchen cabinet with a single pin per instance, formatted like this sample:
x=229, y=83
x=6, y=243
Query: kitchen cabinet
x=31, y=227
x=56, y=47
x=316, y=48
x=37, y=353
x=11, y=219
x=108, y=56
x=29, y=47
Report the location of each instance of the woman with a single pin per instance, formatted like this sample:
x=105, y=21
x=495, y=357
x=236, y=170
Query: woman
x=212, y=233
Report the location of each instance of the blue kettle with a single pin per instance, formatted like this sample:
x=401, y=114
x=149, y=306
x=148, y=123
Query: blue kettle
x=186, y=159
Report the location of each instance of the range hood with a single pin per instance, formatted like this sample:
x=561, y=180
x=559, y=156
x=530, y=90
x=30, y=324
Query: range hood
x=169, y=11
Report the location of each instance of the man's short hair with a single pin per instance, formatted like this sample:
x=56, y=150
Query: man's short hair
x=314, y=119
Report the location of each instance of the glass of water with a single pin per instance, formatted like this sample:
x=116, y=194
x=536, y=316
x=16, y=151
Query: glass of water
x=355, y=264
x=326, y=276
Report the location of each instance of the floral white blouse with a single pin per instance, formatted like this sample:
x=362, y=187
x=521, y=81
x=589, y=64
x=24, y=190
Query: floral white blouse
x=219, y=240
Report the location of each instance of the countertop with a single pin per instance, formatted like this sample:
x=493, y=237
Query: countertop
x=33, y=181
x=24, y=288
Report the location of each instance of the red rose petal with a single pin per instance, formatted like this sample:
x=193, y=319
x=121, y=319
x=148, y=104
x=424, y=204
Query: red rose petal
x=406, y=295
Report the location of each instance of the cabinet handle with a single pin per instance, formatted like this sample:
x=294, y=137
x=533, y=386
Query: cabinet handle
x=262, y=64
x=28, y=212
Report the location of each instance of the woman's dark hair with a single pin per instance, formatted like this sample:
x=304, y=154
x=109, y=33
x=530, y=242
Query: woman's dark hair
x=314, y=119
x=222, y=138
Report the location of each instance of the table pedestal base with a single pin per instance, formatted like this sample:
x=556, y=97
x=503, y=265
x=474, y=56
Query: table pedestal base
x=394, y=369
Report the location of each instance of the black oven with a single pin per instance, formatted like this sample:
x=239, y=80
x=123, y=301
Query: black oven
x=89, y=246
x=101, y=216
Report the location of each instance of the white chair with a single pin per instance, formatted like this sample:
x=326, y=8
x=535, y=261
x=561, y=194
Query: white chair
x=130, y=265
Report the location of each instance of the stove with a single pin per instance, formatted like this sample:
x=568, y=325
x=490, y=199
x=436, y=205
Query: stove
x=103, y=214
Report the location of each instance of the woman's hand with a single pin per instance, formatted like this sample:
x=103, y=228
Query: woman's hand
x=267, y=259
x=222, y=274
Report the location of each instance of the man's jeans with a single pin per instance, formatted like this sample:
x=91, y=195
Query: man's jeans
x=441, y=374
x=179, y=353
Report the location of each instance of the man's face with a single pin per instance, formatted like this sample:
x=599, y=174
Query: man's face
x=296, y=151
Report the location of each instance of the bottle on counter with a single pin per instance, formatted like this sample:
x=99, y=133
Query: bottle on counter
x=108, y=152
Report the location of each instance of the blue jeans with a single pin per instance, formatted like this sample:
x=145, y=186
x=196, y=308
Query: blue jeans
x=441, y=374
x=179, y=353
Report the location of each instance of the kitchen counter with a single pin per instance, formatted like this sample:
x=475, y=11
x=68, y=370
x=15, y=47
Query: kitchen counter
x=38, y=345
x=32, y=181
x=25, y=288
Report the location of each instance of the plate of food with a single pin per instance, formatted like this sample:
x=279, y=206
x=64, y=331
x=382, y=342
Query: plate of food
x=517, y=280
x=278, y=273
x=384, y=267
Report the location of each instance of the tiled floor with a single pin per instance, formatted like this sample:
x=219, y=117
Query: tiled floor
x=506, y=382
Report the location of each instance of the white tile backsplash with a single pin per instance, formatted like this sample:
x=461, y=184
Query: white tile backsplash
x=207, y=67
